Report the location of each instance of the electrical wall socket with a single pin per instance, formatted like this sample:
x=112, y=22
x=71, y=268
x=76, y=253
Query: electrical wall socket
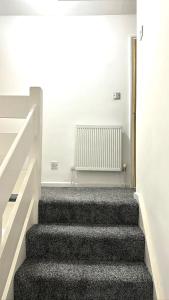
x=117, y=96
x=54, y=165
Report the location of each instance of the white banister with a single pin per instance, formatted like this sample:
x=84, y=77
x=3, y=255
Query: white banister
x=14, y=160
x=25, y=147
x=14, y=229
x=14, y=106
x=36, y=95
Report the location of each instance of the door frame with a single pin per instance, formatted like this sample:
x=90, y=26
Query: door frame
x=133, y=108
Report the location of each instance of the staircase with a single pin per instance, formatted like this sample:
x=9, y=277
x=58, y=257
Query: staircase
x=87, y=246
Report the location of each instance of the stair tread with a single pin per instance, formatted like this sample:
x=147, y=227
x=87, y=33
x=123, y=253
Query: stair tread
x=88, y=195
x=99, y=201
x=87, y=246
x=49, y=280
x=90, y=206
x=79, y=243
x=44, y=269
x=119, y=232
x=87, y=201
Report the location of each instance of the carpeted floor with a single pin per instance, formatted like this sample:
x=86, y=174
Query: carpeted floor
x=87, y=246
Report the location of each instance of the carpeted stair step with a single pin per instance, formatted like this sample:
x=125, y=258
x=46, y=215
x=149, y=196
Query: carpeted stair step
x=48, y=280
x=88, y=206
x=87, y=246
x=84, y=243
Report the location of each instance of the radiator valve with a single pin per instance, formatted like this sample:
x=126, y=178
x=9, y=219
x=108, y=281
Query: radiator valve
x=124, y=167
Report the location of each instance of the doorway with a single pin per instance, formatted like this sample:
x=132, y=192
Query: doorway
x=133, y=108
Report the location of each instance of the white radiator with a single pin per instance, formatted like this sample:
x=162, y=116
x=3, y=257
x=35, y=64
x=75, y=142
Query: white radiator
x=98, y=148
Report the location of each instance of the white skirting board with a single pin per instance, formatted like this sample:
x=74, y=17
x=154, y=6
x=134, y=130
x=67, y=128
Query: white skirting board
x=150, y=259
x=69, y=184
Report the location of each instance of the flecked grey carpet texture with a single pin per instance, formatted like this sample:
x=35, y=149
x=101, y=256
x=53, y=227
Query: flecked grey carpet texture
x=87, y=246
x=90, y=206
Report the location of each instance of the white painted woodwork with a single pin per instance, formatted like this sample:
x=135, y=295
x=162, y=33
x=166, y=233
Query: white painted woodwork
x=26, y=147
x=14, y=106
x=14, y=228
x=14, y=160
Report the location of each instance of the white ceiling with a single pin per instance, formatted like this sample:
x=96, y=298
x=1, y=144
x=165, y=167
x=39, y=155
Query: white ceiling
x=67, y=7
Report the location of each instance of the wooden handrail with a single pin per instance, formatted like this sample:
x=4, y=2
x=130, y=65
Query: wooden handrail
x=14, y=160
x=25, y=147
x=14, y=228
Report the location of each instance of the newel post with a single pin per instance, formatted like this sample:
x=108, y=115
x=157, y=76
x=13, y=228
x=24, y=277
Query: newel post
x=36, y=96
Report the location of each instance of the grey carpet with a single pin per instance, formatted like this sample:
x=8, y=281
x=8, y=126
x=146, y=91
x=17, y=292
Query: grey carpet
x=90, y=206
x=87, y=246
x=49, y=280
x=81, y=243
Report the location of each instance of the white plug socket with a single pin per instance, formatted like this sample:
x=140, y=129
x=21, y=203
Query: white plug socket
x=54, y=165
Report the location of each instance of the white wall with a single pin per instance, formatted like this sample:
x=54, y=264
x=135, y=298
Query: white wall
x=79, y=62
x=153, y=135
x=53, y=7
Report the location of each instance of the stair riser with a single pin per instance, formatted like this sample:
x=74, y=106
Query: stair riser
x=64, y=248
x=82, y=291
x=88, y=214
